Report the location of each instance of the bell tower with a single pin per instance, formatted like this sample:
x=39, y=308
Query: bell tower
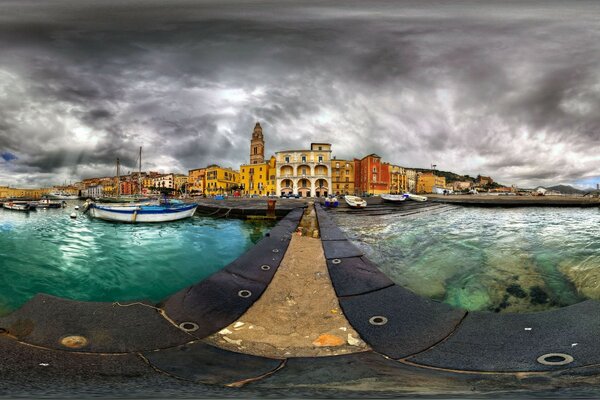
x=257, y=146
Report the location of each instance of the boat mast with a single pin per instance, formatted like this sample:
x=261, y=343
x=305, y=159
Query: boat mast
x=118, y=180
x=140, y=174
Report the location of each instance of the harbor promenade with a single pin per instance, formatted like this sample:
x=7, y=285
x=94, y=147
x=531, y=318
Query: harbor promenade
x=302, y=313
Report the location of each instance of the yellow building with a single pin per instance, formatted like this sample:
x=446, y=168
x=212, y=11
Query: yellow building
x=180, y=181
x=221, y=180
x=258, y=178
x=342, y=176
x=427, y=181
x=304, y=172
x=398, y=180
x=8, y=192
x=196, y=180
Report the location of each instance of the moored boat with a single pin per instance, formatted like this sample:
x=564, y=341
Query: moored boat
x=47, y=203
x=62, y=196
x=415, y=197
x=19, y=206
x=393, y=198
x=355, y=201
x=331, y=201
x=142, y=213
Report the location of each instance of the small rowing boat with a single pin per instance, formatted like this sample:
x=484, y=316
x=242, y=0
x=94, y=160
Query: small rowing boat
x=355, y=201
x=414, y=197
x=19, y=206
x=141, y=213
x=393, y=198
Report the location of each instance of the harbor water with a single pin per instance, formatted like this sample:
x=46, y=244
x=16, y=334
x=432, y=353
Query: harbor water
x=46, y=251
x=491, y=259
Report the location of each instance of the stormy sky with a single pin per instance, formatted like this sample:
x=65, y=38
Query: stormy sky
x=507, y=89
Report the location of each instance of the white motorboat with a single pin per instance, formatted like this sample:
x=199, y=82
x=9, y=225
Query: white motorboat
x=355, y=201
x=393, y=198
x=19, y=206
x=142, y=213
x=62, y=196
x=414, y=197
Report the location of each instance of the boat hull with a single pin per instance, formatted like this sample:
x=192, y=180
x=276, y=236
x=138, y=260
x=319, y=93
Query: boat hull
x=133, y=214
x=393, y=198
x=415, y=197
x=355, y=202
x=18, y=206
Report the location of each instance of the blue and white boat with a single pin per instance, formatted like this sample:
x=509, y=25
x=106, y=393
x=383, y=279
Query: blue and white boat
x=134, y=213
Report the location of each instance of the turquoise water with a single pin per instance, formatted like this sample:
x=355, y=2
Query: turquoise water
x=502, y=260
x=88, y=259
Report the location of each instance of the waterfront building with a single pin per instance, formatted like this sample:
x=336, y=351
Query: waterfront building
x=461, y=185
x=93, y=191
x=180, y=182
x=304, y=172
x=427, y=182
x=342, y=176
x=398, y=179
x=257, y=146
x=258, y=178
x=166, y=181
x=8, y=192
x=196, y=180
x=371, y=176
x=411, y=180
x=220, y=180
x=483, y=181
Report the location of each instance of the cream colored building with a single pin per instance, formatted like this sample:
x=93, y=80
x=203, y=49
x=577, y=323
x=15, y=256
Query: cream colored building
x=304, y=172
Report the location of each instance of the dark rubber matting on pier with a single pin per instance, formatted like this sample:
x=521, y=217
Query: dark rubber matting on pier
x=413, y=323
x=327, y=228
x=213, y=303
x=223, y=297
x=356, y=275
x=340, y=249
x=202, y=363
x=109, y=328
x=501, y=342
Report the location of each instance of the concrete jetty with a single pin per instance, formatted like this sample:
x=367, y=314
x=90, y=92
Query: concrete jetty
x=325, y=322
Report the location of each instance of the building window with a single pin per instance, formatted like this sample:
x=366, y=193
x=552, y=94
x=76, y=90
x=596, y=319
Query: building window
x=320, y=157
x=374, y=177
x=320, y=147
x=303, y=158
x=337, y=164
x=287, y=159
x=347, y=179
x=374, y=169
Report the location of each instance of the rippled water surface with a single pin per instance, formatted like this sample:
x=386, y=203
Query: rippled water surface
x=503, y=260
x=88, y=259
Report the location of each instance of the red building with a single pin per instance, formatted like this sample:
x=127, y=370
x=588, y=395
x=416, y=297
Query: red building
x=371, y=175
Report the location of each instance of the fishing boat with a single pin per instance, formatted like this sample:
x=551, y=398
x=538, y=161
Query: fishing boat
x=331, y=201
x=47, y=203
x=414, y=197
x=355, y=201
x=19, y=206
x=165, y=212
x=62, y=196
x=393, y=198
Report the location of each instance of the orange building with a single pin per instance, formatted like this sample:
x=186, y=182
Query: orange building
x=371, y=175
x=427, y=182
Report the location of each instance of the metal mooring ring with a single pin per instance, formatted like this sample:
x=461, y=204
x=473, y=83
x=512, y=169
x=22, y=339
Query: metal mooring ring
x=265, y=267
x=555, y=359
x=275, y=250
x=244, y=293
x=189, y=326
x=378, y=320
x=336, y=261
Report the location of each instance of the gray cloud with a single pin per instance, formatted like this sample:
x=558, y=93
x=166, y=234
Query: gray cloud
x=507, y=89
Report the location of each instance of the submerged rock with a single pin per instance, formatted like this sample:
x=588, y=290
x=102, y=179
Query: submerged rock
x=538, y=295
x=517, y=291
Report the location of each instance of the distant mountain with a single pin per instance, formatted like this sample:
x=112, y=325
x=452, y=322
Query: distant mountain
x=566, y=189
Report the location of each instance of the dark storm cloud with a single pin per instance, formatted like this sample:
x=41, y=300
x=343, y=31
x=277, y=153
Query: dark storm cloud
x=503, y=89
